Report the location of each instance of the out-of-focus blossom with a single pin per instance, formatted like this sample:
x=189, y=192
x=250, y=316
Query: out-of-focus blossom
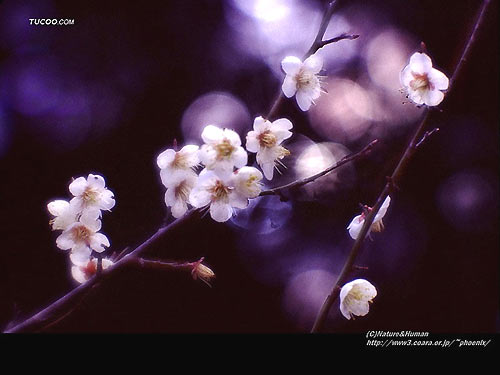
x=302, y=79
x=64, y=214
x=83, y=234
x=177, y=194
x=265, y=139
x=91, y=194
x=246, y=183
x=355, y=297
x=217, y=192
x=423, y=83
x=174, y=165
x=83, y=272
x=377, y=226
x=222, y=150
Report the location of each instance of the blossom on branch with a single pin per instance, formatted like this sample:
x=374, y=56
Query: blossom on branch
x=355, y=297
x=82, y=236
x=174, y=164
x=265, y=139
x=222, y=150
x=91, y=194
x=218, y=193
x=302, y=79
x=246, y=183
x=377, y=226
x=423, y=83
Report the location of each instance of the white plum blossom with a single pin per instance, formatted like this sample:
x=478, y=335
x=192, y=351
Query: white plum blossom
x=355, y=297
x=222, y=150
x=302, y=79
x=377, y=226
x=177, y=194
x=64, y=214
x=265, y=139
x=423, y=83
x=217, y=192
x=174, y=164
x=83, y=235
x=91, y=194
x=84, y=271
x=246, y=183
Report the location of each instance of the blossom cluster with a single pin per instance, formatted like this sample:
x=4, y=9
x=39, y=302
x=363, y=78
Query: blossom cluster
x=80, y=222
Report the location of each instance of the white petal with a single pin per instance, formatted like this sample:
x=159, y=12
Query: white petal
x=406, y=76
x=303, y=100
x=77, y=187
x=106, y=263
x=438, y=79
x=240, y=157
x=78, y=274
x=291, y=65
x=57, y=207
x=289, y=86
x=314, y=64
x=268, y=169
x=199, y=197
x=191, y=154
x=420, y=63
x=165, y=158
x=96, y=181
x=212, y=134
x=106, y=201
x=170, y=198
x=220, y=211
x=97, y=241
x=355, y=226
x=345, y=311
x=179, y=208
x=90, y=219
x=433, y=97
x=280, y=128
x=252, y=144
x=238, y=200
x=233, y=137
x=416, y=97
x=260, y=125
x=80, y=256
x=207, y=155
x=383, y=209
x=65, y=240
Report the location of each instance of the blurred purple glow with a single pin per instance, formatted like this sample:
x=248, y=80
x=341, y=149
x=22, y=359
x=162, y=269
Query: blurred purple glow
x=466, y=201
x=272, y=29
x=264, y=215
x=215, y=108
x=304, y=295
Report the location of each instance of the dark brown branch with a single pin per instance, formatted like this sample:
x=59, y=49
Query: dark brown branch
x=426, y=135
x=410, y=150
x=304, y=181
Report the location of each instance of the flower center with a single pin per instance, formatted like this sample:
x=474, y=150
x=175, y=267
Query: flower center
x=306, y=80
x=421, y=82
x=182, y=191
x=267, y=139
x=224, y=149
x=219, y=191
x=180, y=161
x=90, y=196
x=81, y=233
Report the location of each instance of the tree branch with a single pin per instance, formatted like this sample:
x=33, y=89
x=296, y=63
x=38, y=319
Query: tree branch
x=410, y=150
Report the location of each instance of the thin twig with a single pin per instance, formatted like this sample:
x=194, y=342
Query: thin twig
x=304, y=181
x=390, y=186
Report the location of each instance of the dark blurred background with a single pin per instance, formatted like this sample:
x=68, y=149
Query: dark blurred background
x=107, y=94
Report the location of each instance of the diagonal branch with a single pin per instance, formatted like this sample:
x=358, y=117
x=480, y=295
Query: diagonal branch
x=419, y=135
